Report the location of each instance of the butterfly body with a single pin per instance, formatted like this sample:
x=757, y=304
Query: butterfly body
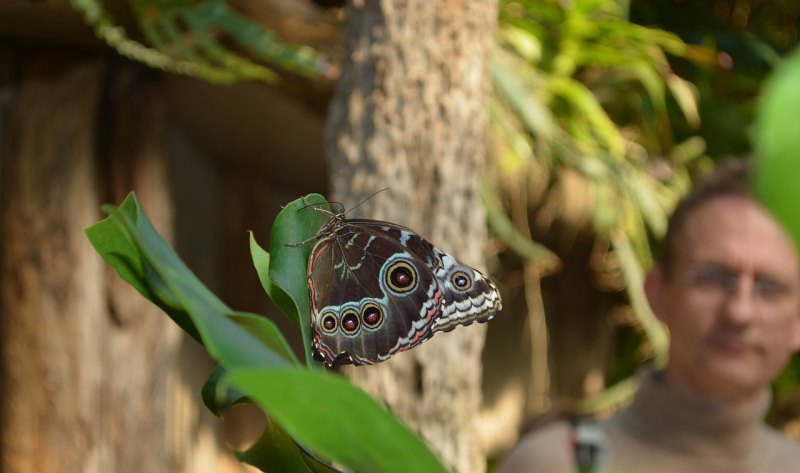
x=378, y=289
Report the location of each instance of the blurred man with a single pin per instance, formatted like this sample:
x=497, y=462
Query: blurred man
x=728, y=289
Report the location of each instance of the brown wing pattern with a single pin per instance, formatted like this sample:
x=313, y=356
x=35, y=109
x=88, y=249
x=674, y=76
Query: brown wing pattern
x=378, y=289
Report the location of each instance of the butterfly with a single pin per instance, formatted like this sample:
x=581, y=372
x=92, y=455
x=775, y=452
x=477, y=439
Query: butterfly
x=378, y=289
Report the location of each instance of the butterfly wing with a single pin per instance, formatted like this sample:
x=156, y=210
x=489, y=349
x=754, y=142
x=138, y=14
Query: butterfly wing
x=371, y=297
x=469, y=296
x=378, y=288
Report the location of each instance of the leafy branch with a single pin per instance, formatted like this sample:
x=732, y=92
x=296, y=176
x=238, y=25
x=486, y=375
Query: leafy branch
x=312, y=414
x=207, y=39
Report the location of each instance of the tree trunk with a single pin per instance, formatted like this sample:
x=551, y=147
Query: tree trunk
x=409, y=115
x=89, y=366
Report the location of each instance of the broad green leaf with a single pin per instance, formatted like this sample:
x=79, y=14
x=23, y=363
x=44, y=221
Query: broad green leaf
x=266, y=331
x=291, y=241
x=115, y=246
x=261, y=261
x=216, y=395
x=777, y=145
x=217, y=399
x=276, y=452
x=336, y=420
x=144, y=256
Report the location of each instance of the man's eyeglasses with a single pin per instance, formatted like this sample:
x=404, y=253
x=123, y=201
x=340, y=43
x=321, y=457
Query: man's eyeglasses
x=718, y=278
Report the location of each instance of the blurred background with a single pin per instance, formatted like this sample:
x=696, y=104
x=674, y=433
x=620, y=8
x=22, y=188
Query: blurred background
x=557, y=134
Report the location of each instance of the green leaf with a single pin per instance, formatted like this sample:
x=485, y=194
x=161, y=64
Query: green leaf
x=610, y=398
x=686, y=96
x=218, y=399
x=114, y=246
x=266, y=331
x=643, y=191
x=128, y=241
x=261, y=261
x=117, y=248
x=503, y=227
x=634, y=282
x=217, y=396
x=276, y=452
x=511, y=85
x=777, y=145
x=291, y=241
x=358, y=432
x=336, y=420
x=587, y=106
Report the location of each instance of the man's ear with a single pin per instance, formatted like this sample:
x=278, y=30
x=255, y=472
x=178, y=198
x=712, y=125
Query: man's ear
x=654, y=284
x=796, y=338
x=796, y=333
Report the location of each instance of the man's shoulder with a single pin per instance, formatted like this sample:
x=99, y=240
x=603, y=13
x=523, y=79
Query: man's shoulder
x=781, y=447
x=547, y=448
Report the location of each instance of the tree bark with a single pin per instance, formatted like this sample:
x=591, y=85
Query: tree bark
x=408, y=114
x=89, y=366
x=51, y=320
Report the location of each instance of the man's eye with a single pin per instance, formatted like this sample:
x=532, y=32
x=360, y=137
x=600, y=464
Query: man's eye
x=769, y=288
x=711, y=277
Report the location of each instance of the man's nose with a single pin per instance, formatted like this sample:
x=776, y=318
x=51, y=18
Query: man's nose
x=740, y=304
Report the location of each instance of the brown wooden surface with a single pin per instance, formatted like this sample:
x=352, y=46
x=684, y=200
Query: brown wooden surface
x=52, y=321
x=92, y=374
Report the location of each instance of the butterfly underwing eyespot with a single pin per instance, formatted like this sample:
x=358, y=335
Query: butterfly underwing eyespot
x=461, y=281
x=328, y=323
x=350, y=321
x=378, y=289
x=372, y=315
x=399, y=276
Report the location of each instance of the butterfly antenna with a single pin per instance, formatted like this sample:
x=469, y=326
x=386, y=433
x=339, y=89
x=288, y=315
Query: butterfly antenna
x=365, y=200
x=326, y=212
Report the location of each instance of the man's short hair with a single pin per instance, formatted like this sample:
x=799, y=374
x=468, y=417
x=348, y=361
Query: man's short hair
x=731, y=178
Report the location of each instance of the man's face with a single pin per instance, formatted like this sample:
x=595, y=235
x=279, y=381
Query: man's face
x=731, y=300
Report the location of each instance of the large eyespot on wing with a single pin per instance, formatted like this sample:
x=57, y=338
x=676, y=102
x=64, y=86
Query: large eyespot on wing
x=351, y=321
x=328, y=322
x=460, y=280
x=373, y=315
x=398, y=275
x=469, y=296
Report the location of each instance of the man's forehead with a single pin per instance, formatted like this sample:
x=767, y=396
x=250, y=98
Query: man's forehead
x=738, y=230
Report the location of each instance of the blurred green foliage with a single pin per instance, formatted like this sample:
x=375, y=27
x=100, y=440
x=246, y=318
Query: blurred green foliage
x=584, y=94
x=633, y=102
x=208, y=39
